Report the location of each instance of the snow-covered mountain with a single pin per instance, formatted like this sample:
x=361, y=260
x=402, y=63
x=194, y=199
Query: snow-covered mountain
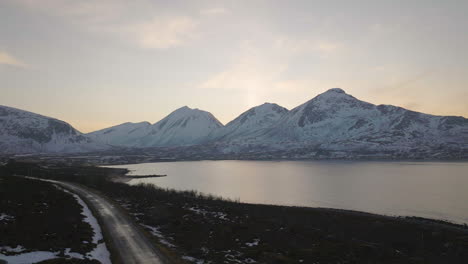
x=336, y=120
x=126, y=134
x=333, y=122
x=251, y=121
x=184, y=126
x=26, y=132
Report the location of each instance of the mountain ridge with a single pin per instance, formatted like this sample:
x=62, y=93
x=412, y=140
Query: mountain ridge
x=331, y=117
x=332, y=120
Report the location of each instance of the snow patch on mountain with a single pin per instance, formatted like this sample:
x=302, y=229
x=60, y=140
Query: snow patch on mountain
x=125, y=134
x=251, y=121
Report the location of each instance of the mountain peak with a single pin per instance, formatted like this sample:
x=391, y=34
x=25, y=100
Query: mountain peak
x=266, y=105
x=335, y=90
x=265, y=108
x=184, y=126
x=183, y=108
x=334, y=95
x=257, y=117
x=187, y=111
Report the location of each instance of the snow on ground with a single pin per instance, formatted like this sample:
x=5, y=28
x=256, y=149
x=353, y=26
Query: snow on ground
x=5, y=217
x=101, y=252
x=254, y=243
x=193, y=260
x=219, y=215
x=17, y=249
x=73, y=254
x=30, y=257
x=155, y=232
x=233, y=255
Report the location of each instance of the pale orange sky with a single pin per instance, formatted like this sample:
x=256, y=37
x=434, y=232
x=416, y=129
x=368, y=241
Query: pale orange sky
x=100, y=63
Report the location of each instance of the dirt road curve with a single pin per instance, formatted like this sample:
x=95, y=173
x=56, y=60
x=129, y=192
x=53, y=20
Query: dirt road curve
x=130, y=245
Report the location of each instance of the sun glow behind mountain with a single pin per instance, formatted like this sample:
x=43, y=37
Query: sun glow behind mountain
x=103, y=63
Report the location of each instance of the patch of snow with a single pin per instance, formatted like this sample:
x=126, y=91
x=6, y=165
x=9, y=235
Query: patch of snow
x=30, y=257
x=7, y=218
x=233, y=255
x=17, y=249
x=73, y=254
x=193, y=260
x=155, y=232
x=100, y=252
x=219, y=215
x=37, y=256
x=253, y=244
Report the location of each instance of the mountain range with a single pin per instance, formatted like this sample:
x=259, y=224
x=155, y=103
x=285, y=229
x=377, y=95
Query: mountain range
x=331, y=121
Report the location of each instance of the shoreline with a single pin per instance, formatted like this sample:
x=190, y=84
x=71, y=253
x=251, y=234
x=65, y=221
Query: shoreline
x=126, y=179
x=130, y=159
x=403, y=212
x=205, y=227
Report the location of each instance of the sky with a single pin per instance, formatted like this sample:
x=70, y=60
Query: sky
x=98, y=63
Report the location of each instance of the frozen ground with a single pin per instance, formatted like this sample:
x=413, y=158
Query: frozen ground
x=101, y=252
x=18, y=255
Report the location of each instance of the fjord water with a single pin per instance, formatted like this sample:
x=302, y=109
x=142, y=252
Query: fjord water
x=437, y=190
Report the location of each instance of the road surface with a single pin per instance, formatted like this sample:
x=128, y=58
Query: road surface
x=129, y=245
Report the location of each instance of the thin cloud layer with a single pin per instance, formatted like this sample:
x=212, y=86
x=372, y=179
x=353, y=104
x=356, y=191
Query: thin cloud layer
x=214, y=11
x=162, y=33
x=152, y=56
x=8, y=59
x=116, y=18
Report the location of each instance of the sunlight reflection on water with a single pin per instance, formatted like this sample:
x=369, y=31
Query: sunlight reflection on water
x=427, y=189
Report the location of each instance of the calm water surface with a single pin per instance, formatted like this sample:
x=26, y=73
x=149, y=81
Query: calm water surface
x=428, y=189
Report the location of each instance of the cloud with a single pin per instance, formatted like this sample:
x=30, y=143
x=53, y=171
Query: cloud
x=308, y=46
x=8, y=59
x=252, y=76
x=247, y=74
x=79, y=12
x=214, y=11
x=261, y=68
x=162, y=33
x=328, y=47
x=138, y=22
